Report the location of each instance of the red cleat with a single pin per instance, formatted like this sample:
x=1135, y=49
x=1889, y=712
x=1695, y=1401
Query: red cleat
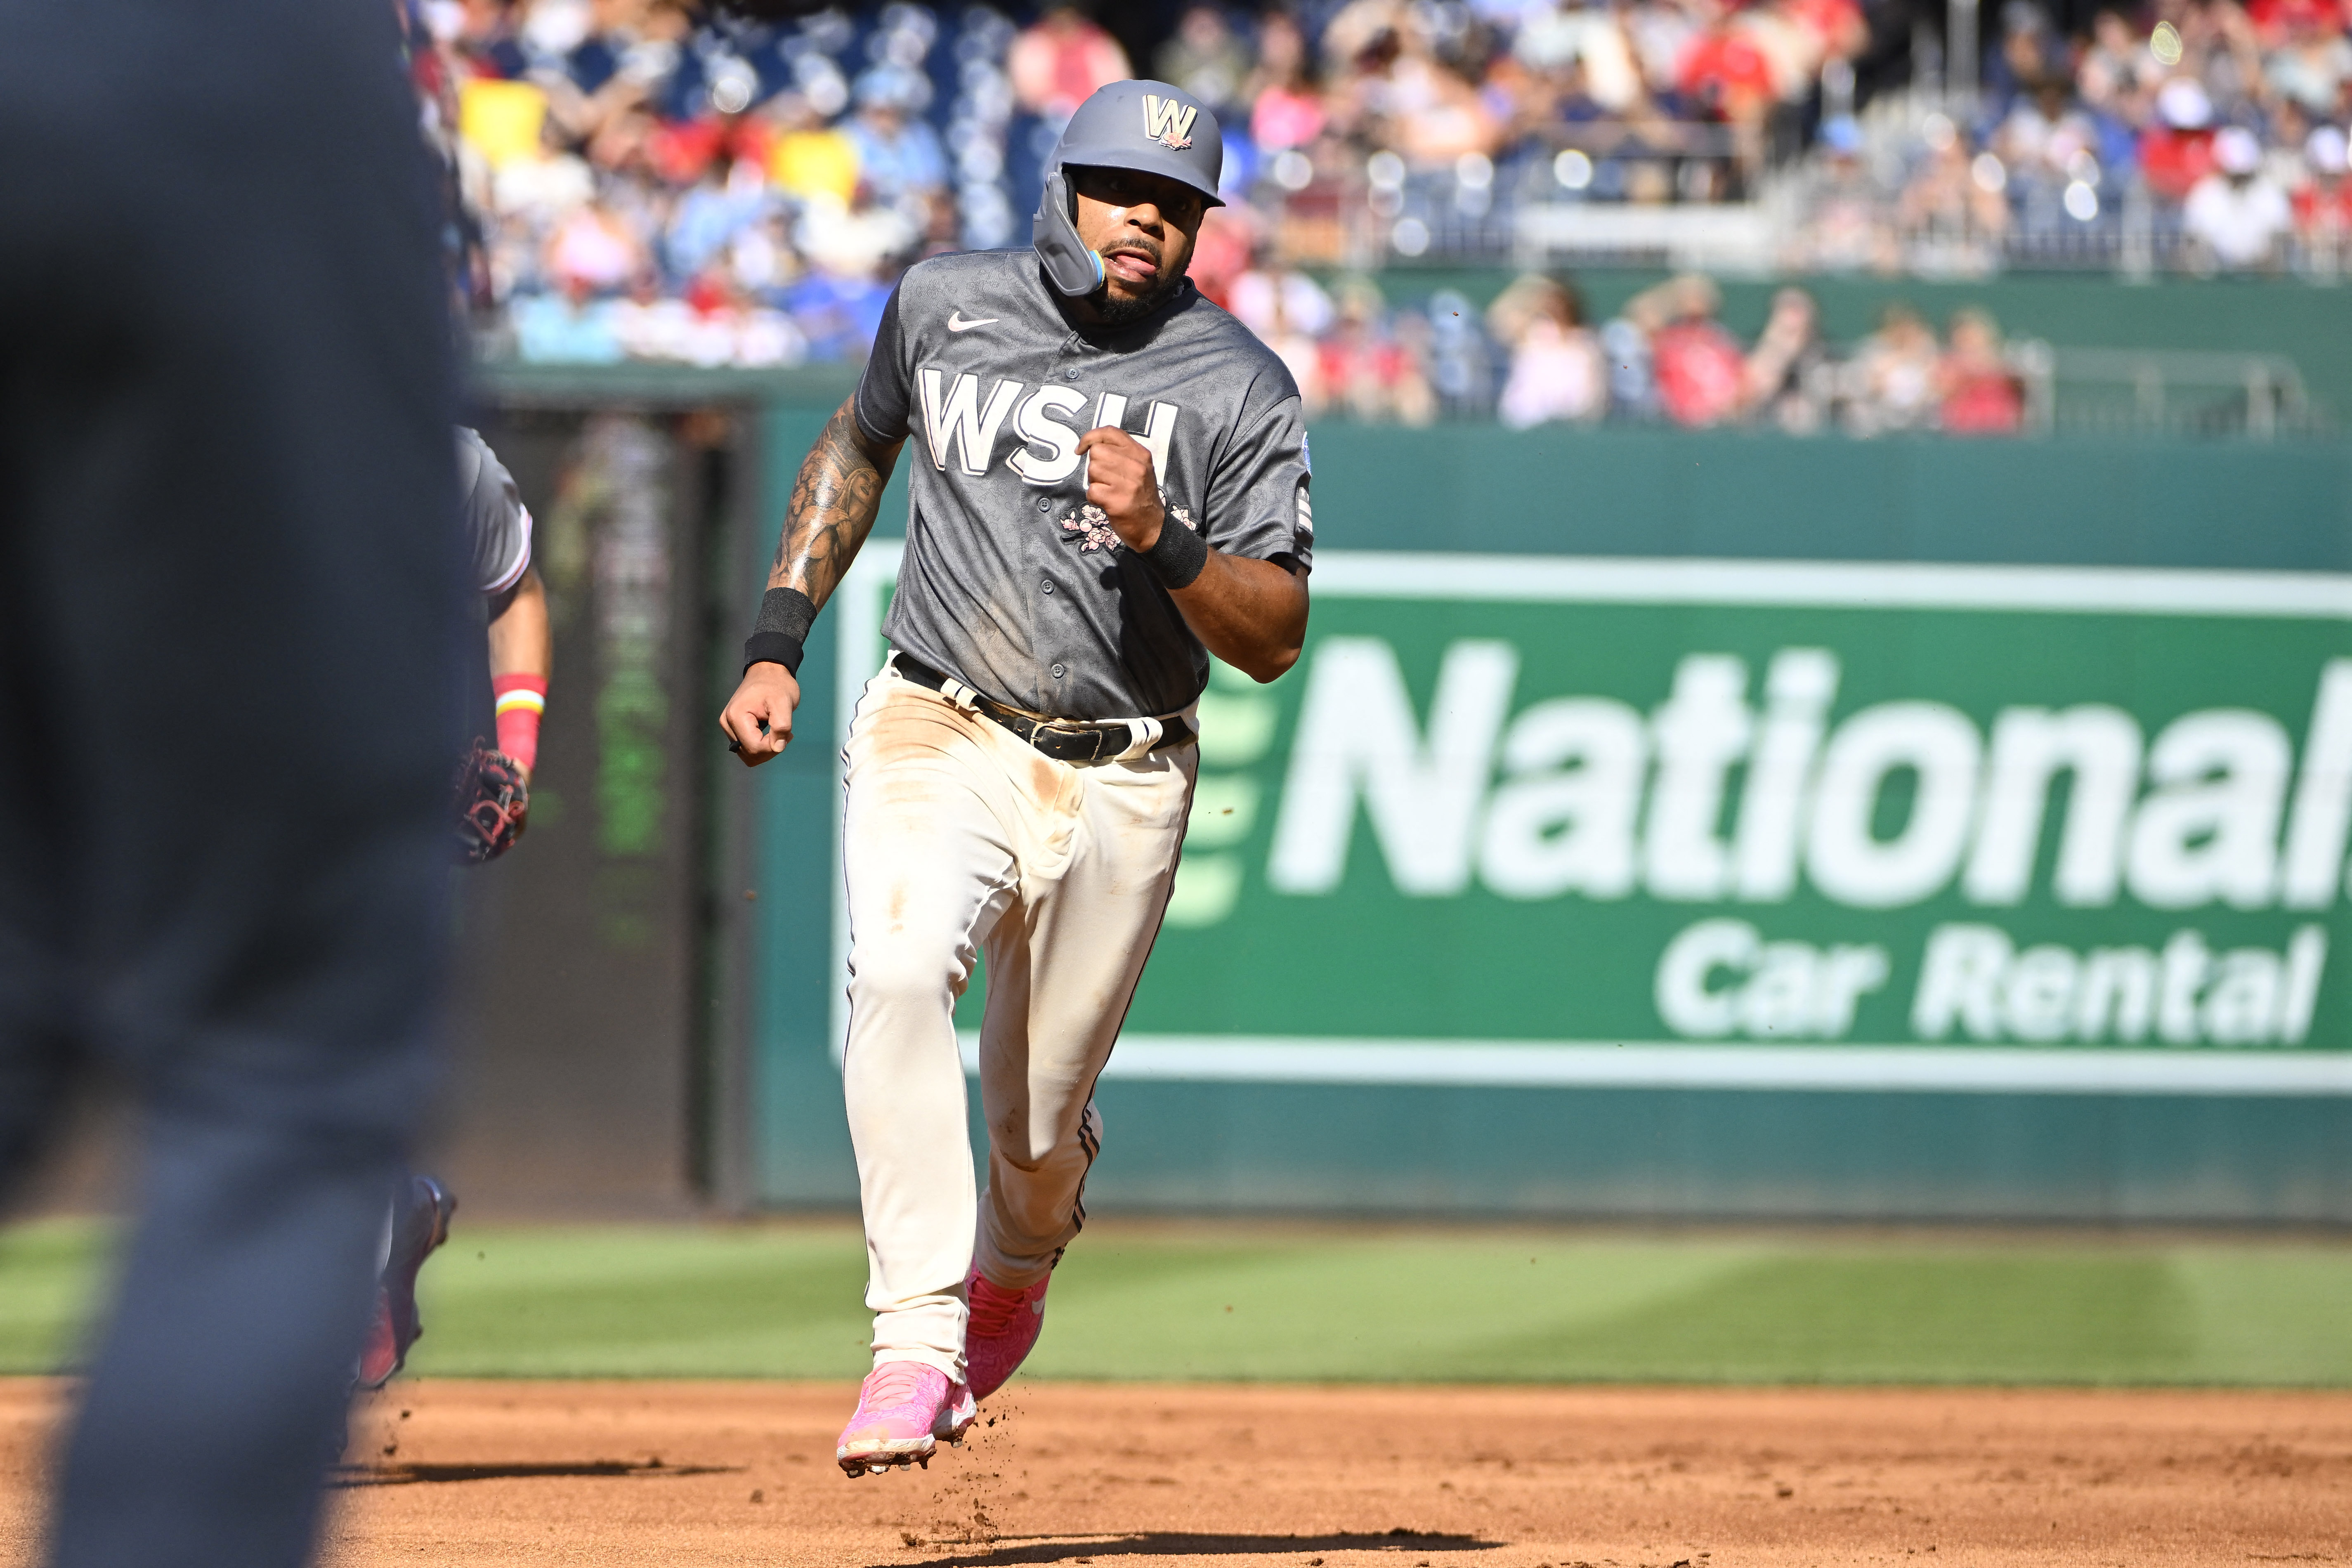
x=1003, y=1331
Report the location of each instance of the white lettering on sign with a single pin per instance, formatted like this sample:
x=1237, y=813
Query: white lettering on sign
x=2317, y=827
x=2098, y=748
x=1700, y=731
x=2210, y=829
x=1585, y=797
x=1562, y=819
x=1720, y=977
x=1799, y=688
x=1357, y=740
x=1974, y=981
x=1844, y=857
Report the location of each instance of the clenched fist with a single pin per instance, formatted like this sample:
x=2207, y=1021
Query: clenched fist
x=758, y=720
x=1119, y=480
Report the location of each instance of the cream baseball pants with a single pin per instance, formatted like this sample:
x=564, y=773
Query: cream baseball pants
x=959, y=840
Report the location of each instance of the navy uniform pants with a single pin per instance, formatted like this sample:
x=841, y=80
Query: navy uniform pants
x=230, y=619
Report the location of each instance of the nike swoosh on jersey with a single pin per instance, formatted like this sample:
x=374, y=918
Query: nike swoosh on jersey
x=956, y=323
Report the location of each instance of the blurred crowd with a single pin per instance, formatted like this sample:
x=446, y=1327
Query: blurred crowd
x=641, y=181
x=2207, y=132
x=1532, y=357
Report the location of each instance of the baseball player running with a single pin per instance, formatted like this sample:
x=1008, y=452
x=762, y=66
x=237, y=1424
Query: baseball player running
x=1110, y=483
x=493, y=804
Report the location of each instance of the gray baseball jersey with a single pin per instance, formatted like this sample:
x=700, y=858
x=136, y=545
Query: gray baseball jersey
x=1010, y=581
x=497, y=527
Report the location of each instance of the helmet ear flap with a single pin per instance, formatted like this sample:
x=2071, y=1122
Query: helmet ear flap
x=1071, y=267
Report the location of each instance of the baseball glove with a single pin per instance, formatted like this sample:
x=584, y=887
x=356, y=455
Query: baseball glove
x=492, y=804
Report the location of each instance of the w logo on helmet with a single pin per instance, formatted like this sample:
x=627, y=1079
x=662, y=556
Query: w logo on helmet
x=1169, y=121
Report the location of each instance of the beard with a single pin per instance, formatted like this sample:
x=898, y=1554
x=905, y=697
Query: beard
x=1116, y=312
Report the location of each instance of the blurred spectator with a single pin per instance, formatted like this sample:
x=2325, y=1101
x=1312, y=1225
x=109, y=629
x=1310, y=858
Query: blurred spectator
x=1285, y=105
x=1892, y=382
x=1789, y=380
x=1057, y=63
x=2177, y=150
x=808, y=157
x=2116, y=68
x=1724, y=70
x=1954, y=212
x=1460, y=361
x=2314, y=61
x=2222, y=41
x=1581, y=54
x=1288, y=311
x=899, y=155
x=1222, y=250
x=1365, y=371
x=1266, y=295
x=708, y=216
x=837, y=314
x=2323, y=208
x=2238, y=214
x=2030, y=53
x=1398, y=94
x=1632, y=383
x=1700, y=372
x=1661, y=33
x=591, y=251
x=1206, y=57
x=1981, y=395
x=1557, y=370
x=854, y=242
x=566, y=329
x=2047, y=135
x=1845, y=228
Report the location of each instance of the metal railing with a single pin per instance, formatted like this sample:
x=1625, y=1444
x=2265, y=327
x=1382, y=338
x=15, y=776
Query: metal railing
x=2076, y=391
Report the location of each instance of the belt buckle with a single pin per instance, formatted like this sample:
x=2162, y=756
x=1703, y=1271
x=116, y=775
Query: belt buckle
x=1062, y=741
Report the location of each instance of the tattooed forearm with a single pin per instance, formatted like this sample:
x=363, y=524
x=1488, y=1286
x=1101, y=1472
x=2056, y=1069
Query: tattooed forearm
x=833, y=507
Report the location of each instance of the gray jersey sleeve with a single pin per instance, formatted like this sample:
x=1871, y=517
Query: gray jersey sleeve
x=884, y=400
x=498, y=528
x=1258, y=505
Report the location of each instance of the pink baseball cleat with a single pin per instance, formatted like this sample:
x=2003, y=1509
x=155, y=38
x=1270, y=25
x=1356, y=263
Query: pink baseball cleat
x=903, y=1411
x=1002, y=1331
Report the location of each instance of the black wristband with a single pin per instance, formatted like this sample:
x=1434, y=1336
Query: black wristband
x=1177, y=556
x=780, y=634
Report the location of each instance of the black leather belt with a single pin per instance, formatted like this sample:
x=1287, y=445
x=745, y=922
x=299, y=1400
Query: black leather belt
x=1065, y=740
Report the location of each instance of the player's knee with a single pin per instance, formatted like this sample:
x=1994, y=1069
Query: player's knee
x=906, y=975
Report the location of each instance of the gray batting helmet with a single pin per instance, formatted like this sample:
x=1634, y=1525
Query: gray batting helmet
x=1146, y=126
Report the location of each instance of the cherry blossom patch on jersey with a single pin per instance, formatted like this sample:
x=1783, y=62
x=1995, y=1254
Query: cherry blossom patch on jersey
x=1092, y=524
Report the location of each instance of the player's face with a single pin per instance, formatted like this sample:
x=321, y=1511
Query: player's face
x=1141, y=224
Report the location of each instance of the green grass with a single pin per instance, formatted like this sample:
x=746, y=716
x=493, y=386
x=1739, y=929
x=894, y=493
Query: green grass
x=1201, y=1301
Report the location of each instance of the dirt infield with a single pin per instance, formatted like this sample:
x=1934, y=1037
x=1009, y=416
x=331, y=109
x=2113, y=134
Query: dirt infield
x=689, y=1474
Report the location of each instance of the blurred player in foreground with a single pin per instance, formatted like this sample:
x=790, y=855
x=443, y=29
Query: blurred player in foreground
x=1110, y=484
x=493, y=806
x=231, y=611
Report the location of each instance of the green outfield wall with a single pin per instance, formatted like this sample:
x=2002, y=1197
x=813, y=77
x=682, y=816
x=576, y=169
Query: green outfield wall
x=1673, y=824
x=1658, y=824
